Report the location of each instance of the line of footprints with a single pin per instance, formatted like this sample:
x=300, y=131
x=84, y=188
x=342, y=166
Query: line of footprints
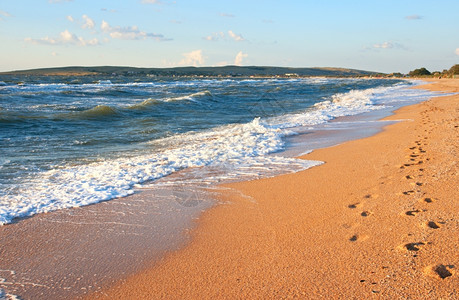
x=416, y=161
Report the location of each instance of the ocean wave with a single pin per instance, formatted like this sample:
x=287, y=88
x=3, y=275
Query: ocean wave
x=342, y=104
x=104, y=82
x=8, y=117
x=144, y=104
x=241, y=149
x=98, y=112
x=71, y=186
x=190, y=97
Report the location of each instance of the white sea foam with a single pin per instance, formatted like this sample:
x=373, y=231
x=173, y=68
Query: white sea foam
x=104, y=82
x=240, y=149
x=6, y=296
x=190, y=97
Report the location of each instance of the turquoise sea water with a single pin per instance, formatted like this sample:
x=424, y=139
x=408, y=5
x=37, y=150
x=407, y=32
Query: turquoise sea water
x=73, y=141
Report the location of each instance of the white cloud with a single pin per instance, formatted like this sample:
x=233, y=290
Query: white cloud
x=235, y=37
x=215, y=36
x=65, y=38
x=54, y=54
x=152, y=2
x=158, y=2
x=88, y=23
x=105, y=27
x=457, y=51
x=388, y=45
x=239, y=58
x=4, y=14
x=385, y=45
x=227, y=15
x=221, y=36
x=413, y=17
x=129, y=33
x=85, y=22
x=109, y=10
x=193, y=58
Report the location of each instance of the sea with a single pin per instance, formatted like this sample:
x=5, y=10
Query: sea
x=70, y=141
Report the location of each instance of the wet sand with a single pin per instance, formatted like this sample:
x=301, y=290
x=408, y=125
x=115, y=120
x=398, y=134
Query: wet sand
x=379, y=219
x=68, y=253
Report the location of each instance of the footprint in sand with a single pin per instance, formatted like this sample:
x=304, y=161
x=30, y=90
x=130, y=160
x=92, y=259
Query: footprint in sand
x=357, y=237
x=432, y=225
x=354, y=238
x=414, y=246
x=428, y=200
x=366, y=213
x=439, y=271
x=410, y=192
x=354, y=205
x=413, y=212
x=405, y=166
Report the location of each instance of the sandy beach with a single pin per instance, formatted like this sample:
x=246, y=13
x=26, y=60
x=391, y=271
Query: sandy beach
x=379, y=219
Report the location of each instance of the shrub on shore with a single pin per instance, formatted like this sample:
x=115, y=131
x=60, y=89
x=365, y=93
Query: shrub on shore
x=453, y=72
x=419, y=72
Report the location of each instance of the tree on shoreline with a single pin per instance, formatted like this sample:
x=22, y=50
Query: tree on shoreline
x=454, y=70
x=423, y=72
x=419, y=72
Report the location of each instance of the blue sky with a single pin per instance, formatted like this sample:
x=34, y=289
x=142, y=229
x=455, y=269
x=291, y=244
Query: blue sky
x=385, y=36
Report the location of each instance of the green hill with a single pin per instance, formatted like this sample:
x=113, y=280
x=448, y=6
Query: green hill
x=225, y=71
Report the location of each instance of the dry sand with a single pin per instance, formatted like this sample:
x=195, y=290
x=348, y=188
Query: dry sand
x=379, y=219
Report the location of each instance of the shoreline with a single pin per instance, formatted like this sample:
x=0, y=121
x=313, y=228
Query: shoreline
x=124, y=236
x=377, y=219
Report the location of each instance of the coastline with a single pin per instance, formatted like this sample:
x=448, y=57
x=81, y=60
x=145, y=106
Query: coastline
x=379, y=218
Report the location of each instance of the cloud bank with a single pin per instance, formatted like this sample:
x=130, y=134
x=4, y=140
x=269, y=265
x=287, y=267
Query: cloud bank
x=64, y=38
x=130, y=33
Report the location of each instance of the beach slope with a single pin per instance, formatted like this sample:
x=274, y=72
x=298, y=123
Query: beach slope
x=378, y=219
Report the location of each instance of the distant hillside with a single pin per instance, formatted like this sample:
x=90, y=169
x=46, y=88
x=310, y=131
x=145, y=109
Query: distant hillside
x=196, y=71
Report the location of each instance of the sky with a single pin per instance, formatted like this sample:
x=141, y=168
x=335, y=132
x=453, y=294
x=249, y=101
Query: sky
x=384, y=36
